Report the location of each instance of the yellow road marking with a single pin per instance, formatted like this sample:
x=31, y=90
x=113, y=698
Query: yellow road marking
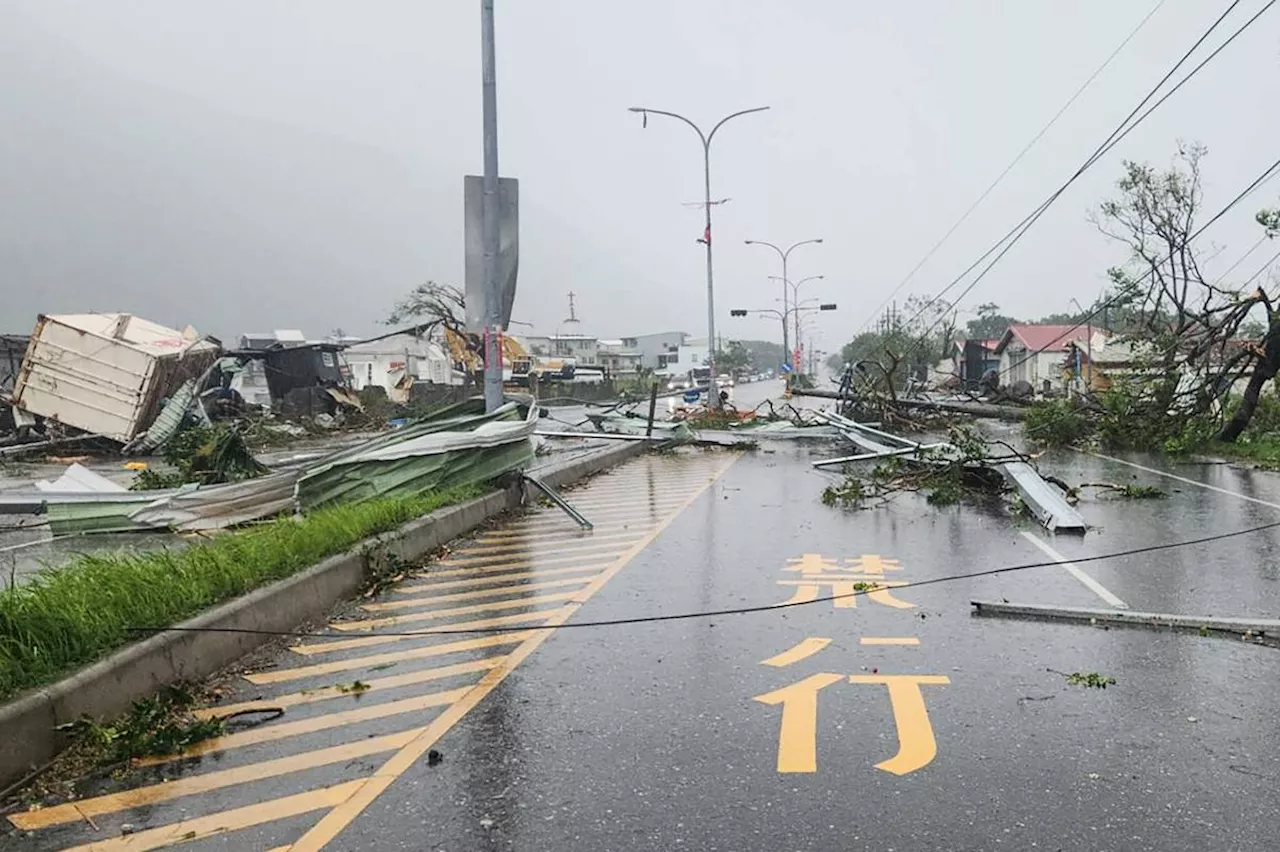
x=889, y=640
x=431, y=614
x=513, y=589
x=389, y=658
x=284, y=730
x=562, y=553
x=489, y=580
x=798, y=733
x=553, y=545
x=337, y=819
x=78, y=811
x=634, y=515
x=802, y=650
x=310, y=696
x=506, y=534
x=916, y=743
x=634, y=494
x=385, y=639
x=220, y=823
x=628, y=503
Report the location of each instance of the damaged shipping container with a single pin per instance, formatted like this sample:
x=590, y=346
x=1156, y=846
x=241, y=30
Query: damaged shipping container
x=107, y=374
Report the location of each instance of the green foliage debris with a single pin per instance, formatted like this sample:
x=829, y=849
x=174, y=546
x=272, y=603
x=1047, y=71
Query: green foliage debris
x=1093, y=680
x=206, y=455
x=159, y=725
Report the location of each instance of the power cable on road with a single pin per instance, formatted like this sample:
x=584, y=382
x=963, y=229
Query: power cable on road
x=746, y=610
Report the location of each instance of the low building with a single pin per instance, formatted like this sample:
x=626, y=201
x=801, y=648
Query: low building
x=688, y=355
x=657, y=349
x=1036, y=353
x=617, y=359
x=396, y=361
x=972, y=358
x=584, y=349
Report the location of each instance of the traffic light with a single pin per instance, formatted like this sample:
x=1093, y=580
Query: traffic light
x=829, y=306
x=737, y=313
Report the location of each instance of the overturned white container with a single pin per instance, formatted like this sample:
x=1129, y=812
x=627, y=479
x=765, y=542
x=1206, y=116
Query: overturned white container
x=106, y=374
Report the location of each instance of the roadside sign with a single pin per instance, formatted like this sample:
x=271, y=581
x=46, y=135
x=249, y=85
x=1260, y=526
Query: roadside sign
x=508, y=248
x=692, y=396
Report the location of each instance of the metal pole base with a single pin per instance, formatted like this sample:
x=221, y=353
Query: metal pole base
x=559, y=501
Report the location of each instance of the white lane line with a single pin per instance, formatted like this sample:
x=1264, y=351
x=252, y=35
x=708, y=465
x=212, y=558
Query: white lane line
x=1076, y=571
x=1166, y=473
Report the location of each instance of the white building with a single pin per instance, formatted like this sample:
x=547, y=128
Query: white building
x=1037, y=353
x=656, y=349
x=689, y=354
x=395, y=362
x=618, y=358
x=584, y=349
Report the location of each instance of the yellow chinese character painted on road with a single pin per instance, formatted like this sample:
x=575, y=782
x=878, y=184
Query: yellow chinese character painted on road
x=917, y=746
x=819, y=573
x=798, y=730
x=798, y=734
x=871, y=563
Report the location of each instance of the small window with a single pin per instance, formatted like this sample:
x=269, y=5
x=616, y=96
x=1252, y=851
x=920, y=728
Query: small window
x=326, y=358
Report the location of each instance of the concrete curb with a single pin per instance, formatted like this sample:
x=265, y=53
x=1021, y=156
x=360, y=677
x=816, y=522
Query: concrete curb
x=1260, y=628
x=107, y=688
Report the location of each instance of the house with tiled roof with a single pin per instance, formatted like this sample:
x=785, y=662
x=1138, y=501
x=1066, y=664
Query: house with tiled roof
x=1036, y=353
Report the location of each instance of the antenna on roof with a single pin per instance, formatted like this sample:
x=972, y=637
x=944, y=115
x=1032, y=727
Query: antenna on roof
x=573, y=313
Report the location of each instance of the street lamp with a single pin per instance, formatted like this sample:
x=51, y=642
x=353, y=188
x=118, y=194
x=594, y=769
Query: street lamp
x=795, y=310
x=795, y=300
x=784, y=254
x=706, y=233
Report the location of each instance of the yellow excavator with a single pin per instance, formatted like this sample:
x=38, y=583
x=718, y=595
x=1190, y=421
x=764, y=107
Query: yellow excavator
x=465, y=353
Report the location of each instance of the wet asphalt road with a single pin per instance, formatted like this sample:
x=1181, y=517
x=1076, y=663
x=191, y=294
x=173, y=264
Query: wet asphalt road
x=648, y=737
x=655, y=736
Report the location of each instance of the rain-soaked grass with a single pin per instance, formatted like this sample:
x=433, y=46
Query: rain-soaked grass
x=67, y=617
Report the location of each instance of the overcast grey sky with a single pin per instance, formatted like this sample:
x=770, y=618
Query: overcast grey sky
x=258, y=164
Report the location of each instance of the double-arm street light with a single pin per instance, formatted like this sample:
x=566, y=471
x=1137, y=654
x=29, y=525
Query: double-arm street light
x=795, y=298
x=706, y=205
x=784, y=315
x=784, y=254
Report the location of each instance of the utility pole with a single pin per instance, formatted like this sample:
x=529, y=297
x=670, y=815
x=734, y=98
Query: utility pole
x=492, y=320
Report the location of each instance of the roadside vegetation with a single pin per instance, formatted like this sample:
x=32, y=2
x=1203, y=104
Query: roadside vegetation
x=68, y=617
x=1113, y=421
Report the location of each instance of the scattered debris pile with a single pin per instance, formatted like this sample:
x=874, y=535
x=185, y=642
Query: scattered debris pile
x=965, y=465
x=459, y=446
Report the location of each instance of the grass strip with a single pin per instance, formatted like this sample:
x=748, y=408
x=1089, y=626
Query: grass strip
x=73, y=615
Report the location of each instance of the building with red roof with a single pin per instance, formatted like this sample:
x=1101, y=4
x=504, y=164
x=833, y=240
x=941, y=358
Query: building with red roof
x=1036, y=353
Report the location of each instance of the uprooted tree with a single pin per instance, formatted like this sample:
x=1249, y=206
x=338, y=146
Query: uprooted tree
x=1193, y=337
